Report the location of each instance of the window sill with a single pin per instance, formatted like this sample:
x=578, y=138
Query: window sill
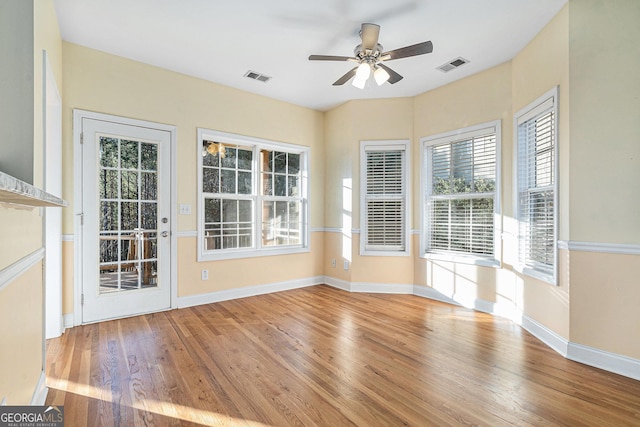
x=463, y=259
x=536, y=274
x=240, y=254
x=384, y=253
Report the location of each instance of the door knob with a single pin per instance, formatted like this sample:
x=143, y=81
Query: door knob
x=164, y=234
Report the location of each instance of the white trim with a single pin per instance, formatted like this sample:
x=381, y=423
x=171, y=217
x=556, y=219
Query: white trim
x=337, y=283
x=601, y=359
x=68, y=321
x=463, y=259
x=386, y=145
x=462, y=134
x=546, y=335
x=78, y=116
x=563, y=245
x=52, y=221
x=249, y=291
x=607, y=248
x=18, y=268
x=256, y=144
x=547, y=101
x=68, y=237
x=194, y=233
x=382, y=288
x=40, y=393
x=173, y=209
x=539, y=106
x=480, y=129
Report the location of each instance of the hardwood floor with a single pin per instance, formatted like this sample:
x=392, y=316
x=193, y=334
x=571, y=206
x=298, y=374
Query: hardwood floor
x=321, y=356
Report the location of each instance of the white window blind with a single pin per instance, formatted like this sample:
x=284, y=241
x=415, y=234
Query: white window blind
x=460, y=194
x=536, y=191
x=385, y=202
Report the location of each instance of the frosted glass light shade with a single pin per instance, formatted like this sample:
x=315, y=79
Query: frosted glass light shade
x=381, y=76
x=362, y=75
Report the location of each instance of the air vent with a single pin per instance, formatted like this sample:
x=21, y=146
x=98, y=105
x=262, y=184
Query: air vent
x=257, y=76
x=455, y=63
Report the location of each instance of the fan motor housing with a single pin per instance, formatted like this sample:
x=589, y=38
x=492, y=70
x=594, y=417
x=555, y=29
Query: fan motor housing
x=366, y=55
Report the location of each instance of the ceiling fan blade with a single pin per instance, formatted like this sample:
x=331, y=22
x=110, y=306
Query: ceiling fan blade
x=330, y=58
x=407, y=51
x=342, y=80
x=369, y=34
x=393, y=76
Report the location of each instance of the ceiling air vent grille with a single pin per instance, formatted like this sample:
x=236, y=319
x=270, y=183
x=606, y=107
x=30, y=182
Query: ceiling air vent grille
x=455, y=63
x=257, y=76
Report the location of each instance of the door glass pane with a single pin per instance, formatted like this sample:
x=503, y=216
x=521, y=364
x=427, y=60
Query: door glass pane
x=128, y=190
x=108, y=184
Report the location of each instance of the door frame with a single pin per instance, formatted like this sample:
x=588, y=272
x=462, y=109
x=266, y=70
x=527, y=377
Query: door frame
x=78, y=116
x=52, y=172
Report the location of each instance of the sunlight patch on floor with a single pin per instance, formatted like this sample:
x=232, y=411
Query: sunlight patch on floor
x=167, y=409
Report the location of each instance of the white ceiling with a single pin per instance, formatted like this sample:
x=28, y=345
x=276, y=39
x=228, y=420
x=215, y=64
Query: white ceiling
x=220, y=40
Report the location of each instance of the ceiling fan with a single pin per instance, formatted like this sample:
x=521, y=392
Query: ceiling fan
x=370, y=55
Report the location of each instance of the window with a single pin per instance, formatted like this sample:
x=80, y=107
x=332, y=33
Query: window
x=252, y=197
x=461, y=194
x=384, y=187
x=536, y=185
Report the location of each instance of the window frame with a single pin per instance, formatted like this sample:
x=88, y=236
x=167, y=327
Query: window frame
x=542, y=105
x=385, y=145
x=257, y=249
x=450, y=137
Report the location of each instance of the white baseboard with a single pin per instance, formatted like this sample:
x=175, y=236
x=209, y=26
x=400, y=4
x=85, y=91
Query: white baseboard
x=337, y=283
x=611, y=362
x=601, y=359
x=382, y=288
x=607, y=361
x=40, y=393
x=546, y=335
x=249, y=291
x=68, y=321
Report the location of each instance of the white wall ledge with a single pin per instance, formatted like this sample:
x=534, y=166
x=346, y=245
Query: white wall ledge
x=16, y=192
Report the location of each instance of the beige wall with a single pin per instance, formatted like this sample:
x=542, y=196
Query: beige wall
x=105, y=83
x=604, y=173
x=542, y=65
x=345, y=127
x=605, y=130
x=21, y=300
x=22, y=336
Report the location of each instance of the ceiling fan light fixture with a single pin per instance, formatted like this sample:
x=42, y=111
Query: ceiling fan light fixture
x=380, y=75
x=369, y=55
x=362, y=75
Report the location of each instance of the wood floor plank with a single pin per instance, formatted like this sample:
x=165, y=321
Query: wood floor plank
x=324, y=357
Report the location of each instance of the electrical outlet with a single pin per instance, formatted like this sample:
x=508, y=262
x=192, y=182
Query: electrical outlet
x=185, y=209
x=205, y=274
x=346, y=265
x=333, y=263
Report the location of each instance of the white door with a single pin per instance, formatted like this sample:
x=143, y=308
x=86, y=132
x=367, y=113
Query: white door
x=126, y=220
